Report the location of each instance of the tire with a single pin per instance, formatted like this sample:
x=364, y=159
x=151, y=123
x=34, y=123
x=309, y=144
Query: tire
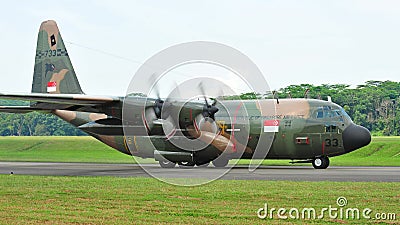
x=320, y=162
x=186, y=165
x=220, y=162
x=166, y=164
x=202, y=164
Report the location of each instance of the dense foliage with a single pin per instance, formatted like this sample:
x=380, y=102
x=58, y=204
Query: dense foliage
x=374, y=105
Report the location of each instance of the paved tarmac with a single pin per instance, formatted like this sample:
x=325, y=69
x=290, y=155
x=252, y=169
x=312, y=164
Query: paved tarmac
x=294, y=173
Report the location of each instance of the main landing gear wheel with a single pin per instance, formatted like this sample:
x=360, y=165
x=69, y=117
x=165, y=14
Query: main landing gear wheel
x=186, y=165
x=320, y=162
x=220, y=162
x=202, y=164
x=166, y=164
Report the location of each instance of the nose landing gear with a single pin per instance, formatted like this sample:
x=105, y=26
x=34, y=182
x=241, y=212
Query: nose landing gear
x=320, y=162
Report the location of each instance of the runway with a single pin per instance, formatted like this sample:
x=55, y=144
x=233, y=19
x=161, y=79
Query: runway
x=294, y=173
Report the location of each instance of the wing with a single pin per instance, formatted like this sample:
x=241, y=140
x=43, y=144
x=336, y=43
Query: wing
x=20, y=109
x=48, y=102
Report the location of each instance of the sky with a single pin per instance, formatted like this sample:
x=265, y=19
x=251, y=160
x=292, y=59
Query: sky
x=292, y=42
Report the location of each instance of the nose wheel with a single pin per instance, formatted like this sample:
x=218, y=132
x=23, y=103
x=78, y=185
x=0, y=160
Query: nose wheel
x=321, y=162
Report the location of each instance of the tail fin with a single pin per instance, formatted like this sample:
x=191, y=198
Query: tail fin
x=53, y=69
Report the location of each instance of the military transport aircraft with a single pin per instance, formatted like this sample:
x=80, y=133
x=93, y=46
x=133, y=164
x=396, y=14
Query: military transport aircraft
x=306, y=130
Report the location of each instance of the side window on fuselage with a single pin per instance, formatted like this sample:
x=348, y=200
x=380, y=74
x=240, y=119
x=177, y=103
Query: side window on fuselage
x=320, y=114
x=328, y=112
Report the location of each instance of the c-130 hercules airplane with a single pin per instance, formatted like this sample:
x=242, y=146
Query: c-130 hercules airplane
x=307, y=130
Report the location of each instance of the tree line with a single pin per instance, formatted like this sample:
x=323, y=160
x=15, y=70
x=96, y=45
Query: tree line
x=374, y=105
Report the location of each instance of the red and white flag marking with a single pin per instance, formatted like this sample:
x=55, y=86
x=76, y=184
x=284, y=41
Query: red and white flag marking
x=51, y=86
x=271, y=125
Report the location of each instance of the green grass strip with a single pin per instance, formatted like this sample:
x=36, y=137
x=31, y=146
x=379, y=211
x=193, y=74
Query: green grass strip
x=383, y=151
x=111, y=200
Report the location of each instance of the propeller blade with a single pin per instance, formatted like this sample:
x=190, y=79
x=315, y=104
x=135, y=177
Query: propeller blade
x=149, y=118
x=152, y=80
x=203, y=92
x=175, y=93
x=215, y=101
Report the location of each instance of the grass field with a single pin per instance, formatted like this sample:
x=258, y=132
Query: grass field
x=111, y=200
x=383, y=151
x=59, y=149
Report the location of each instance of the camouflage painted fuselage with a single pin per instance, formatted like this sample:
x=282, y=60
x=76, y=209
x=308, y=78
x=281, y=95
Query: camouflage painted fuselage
x=307, y=128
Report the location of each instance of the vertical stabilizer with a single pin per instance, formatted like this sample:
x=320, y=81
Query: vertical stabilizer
x=53, y=69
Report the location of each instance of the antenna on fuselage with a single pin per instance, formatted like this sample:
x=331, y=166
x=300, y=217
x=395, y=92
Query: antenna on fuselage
x=274, y=93
x=306, y=93
x=290, y=94
x=329, y=99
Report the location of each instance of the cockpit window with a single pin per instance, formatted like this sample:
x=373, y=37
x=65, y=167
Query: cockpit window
x=324, y=112
x=329, y=114
x=337, y=114
x=345, y=114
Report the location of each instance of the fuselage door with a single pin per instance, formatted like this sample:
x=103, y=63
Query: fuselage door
x=332, y=137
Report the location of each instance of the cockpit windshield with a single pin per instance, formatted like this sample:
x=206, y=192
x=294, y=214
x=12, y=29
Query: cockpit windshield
x=344, y=113
x=328, y=112
x=325, y=112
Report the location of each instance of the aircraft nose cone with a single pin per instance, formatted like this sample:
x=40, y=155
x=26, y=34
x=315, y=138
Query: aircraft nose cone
x=355, y=137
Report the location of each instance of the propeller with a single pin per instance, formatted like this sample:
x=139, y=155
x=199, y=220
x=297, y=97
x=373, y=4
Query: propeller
x=158, y=103
x=208, y=110
x=205, y=127
x=207, y=130
x=159, y=112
